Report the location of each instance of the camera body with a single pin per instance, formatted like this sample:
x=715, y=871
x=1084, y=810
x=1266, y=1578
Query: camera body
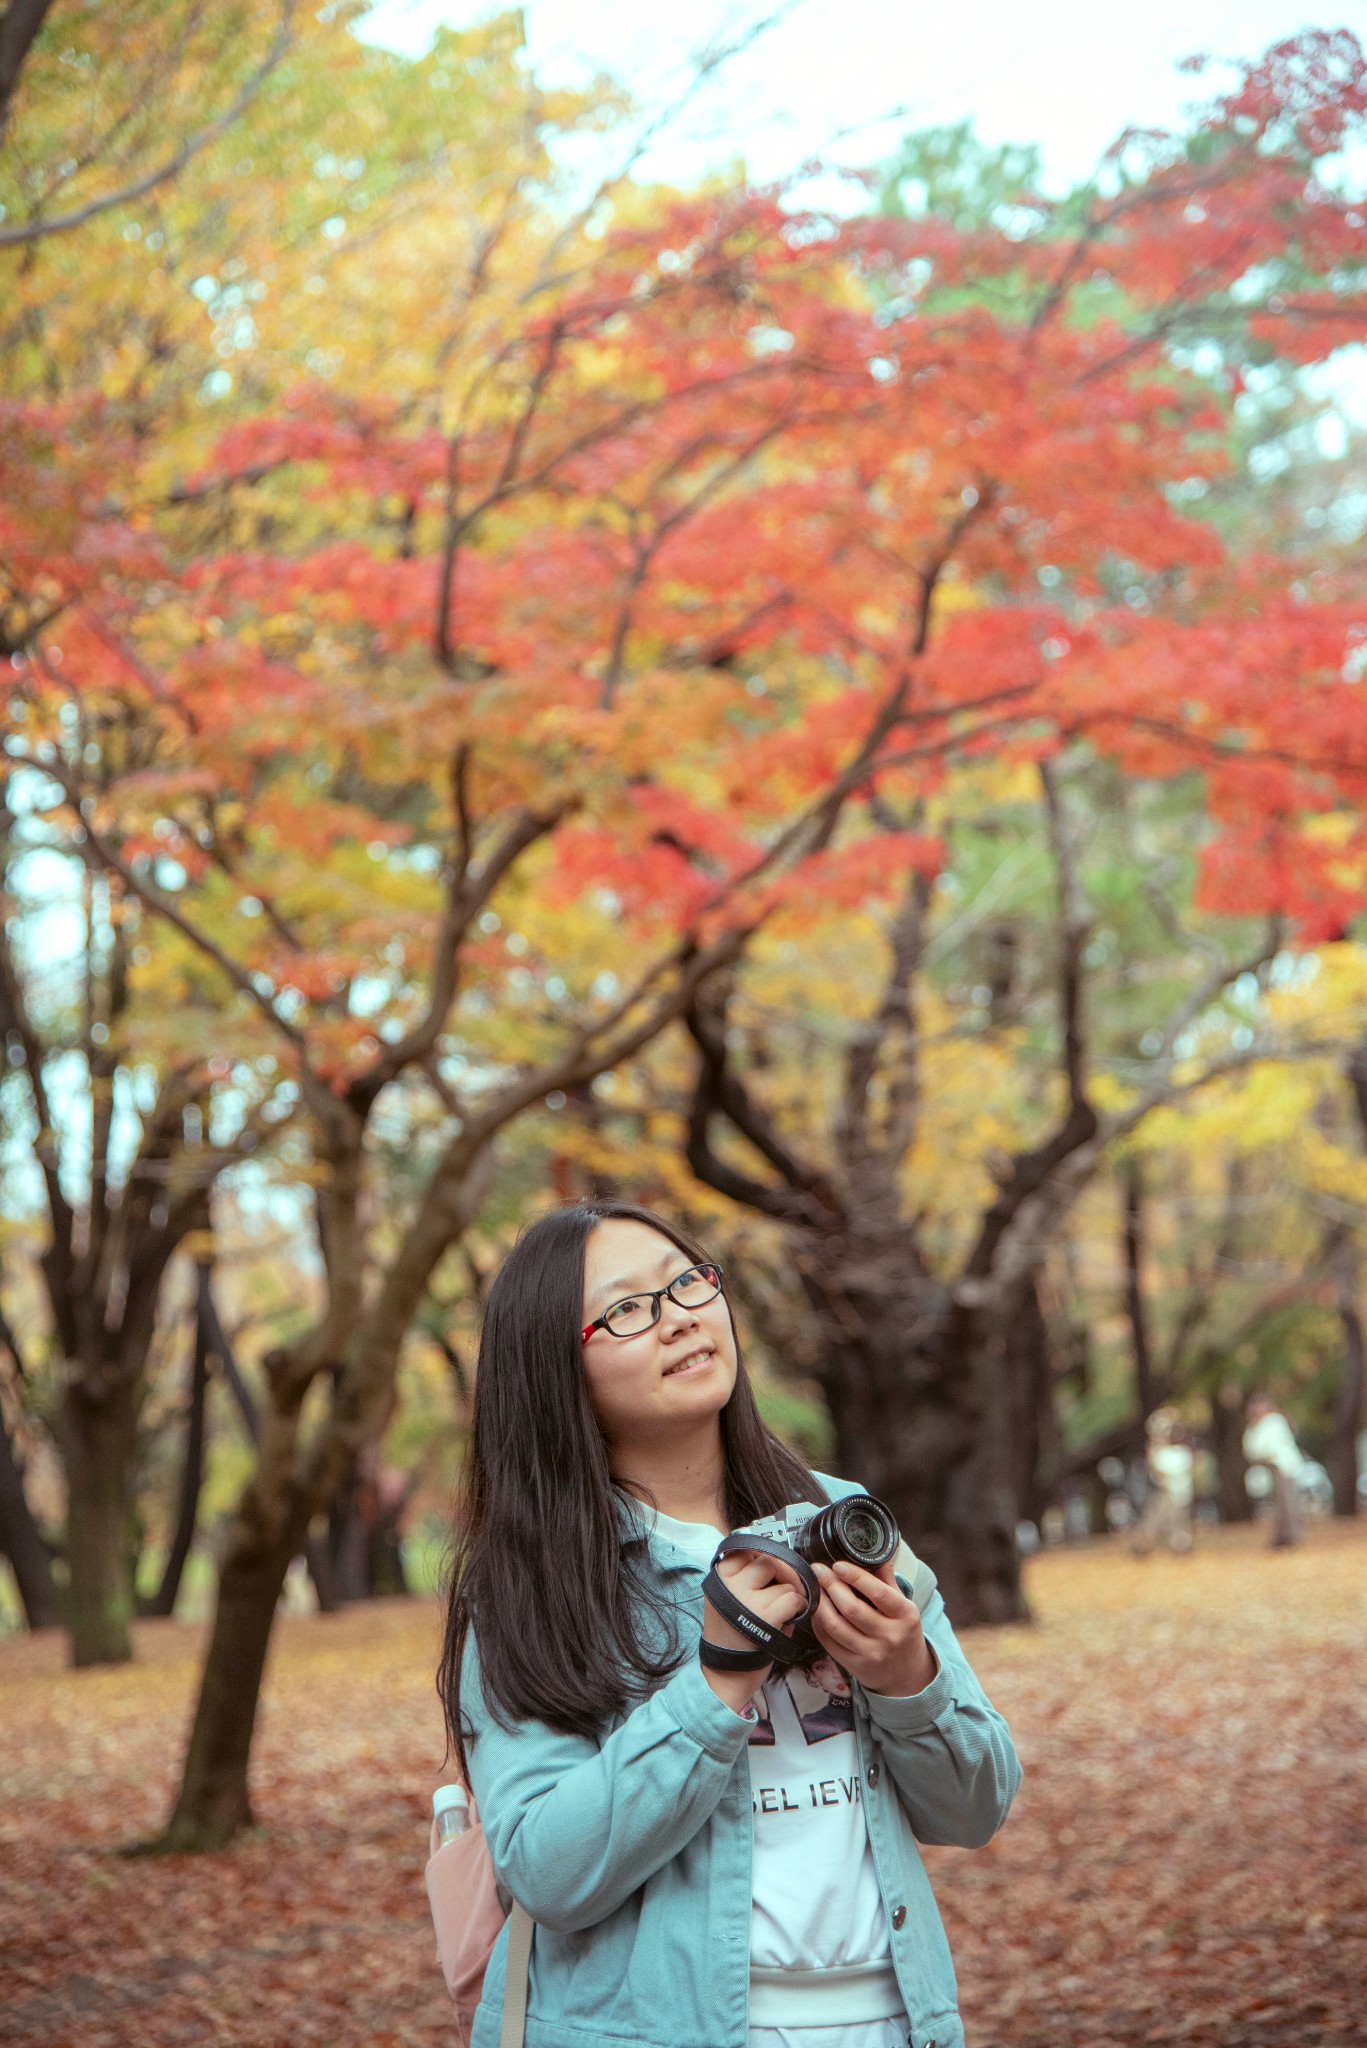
x=858, y=1530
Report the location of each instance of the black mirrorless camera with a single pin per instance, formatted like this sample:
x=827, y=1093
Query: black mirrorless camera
x=858, y=1530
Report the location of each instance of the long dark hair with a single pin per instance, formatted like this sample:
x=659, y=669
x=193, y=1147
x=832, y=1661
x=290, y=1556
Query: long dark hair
x=570, y=1627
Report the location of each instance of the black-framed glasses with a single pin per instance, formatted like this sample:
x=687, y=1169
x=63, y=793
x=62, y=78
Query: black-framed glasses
x=637, y=1313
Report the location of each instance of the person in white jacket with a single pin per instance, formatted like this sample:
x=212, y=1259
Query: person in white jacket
x=1269, y=1442
x=1171, y=1470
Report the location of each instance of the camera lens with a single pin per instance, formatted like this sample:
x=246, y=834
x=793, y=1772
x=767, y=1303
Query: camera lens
x=860, y=1530
x=862, y=1534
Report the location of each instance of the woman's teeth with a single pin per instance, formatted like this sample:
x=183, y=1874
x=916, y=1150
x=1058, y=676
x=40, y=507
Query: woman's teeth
x=693, y=1358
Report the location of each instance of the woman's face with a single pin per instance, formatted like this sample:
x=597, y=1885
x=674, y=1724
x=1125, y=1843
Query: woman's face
x=673, y=1375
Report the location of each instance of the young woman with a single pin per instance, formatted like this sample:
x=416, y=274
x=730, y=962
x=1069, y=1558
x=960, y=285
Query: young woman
x=713, y=1858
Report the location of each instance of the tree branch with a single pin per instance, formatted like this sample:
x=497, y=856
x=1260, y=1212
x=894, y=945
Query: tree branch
x=1136, y=1308
x=220, y=1348
x=467, y=894
x=19, y=26
x=895, y=1017
x=1074, y=924
x=15, y=1022
x=806, y=1197
x=154, y=899
x=1036, y=1176
x=64, y=223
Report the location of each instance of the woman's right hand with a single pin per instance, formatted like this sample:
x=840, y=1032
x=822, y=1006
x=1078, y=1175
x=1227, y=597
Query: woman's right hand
x=770, y=1589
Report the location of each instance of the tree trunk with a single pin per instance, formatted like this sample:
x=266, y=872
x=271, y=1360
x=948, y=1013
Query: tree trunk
x=163, y=1601
x=1346, y=1415
x=970, y=1538
x=918, y=1398
x=19, y=26
x=1035, y=1445
x=214, y=1802
x=317, y=1555
x=1227, y=1444
x=22, y=1542
x=388, y=1578
x=293, y=1482
x=218, y=1347
x=100, y=1441
x=1136, y=1308
x=349, y=1539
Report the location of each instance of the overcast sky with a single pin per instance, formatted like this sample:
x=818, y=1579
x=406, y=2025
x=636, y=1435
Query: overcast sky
x=829, y=78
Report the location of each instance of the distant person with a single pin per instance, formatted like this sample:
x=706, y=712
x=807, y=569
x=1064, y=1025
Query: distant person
x=1269, y=1442
x=1170, y=1465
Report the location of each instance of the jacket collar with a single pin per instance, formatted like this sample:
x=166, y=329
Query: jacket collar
x=636, y=1524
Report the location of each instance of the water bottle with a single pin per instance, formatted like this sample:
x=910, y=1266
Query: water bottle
x=451, y=1811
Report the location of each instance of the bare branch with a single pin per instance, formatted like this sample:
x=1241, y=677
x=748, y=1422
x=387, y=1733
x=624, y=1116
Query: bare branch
x=460, y=803
x=154, y=899
x=1172, y=1090
x=217, y=486
x=806, y=1196
x=1221, y=975
x=1230, y=750
x=1201, y=1293
x=899, y=1011
x=469, y=891
x=220, y=1348
x=706, y=64
x=1044, y=1179
x=212, y=845
x=1136, y=1308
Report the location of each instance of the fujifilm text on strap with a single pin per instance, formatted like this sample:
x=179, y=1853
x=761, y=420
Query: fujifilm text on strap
x=860, y=1529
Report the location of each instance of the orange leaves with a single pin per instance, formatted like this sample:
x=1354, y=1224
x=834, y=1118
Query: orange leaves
x=708, y=838
x=663, y=530
x=653, y=880
x=1253, y=871
x=58, y=541
x=1314, y=83
x=782, y=769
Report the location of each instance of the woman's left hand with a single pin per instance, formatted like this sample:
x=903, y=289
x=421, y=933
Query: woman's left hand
x=870, y=1626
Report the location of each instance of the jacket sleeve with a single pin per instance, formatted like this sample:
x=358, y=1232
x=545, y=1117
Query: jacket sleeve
x=574, y=1828
x=949, y=1750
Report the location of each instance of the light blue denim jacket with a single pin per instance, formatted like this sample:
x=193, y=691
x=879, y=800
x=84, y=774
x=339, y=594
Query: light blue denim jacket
x=632, y=1852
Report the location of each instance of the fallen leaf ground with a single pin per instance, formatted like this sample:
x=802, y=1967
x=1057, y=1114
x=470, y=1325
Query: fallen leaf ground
x=1187, y=1862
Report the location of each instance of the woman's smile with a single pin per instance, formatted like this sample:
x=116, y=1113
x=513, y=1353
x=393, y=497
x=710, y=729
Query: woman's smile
x=695, y=1361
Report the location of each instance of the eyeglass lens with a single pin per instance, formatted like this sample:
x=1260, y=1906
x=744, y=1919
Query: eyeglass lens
x=699, y=1285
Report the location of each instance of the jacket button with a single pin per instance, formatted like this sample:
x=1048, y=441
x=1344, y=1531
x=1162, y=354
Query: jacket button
x=899, y=1919
x=873, y=1774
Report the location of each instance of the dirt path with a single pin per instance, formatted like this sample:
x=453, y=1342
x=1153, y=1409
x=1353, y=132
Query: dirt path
x=1187, y=1862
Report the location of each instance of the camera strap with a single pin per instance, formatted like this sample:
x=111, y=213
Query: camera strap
x=775, y=1646
x=716, y=1657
